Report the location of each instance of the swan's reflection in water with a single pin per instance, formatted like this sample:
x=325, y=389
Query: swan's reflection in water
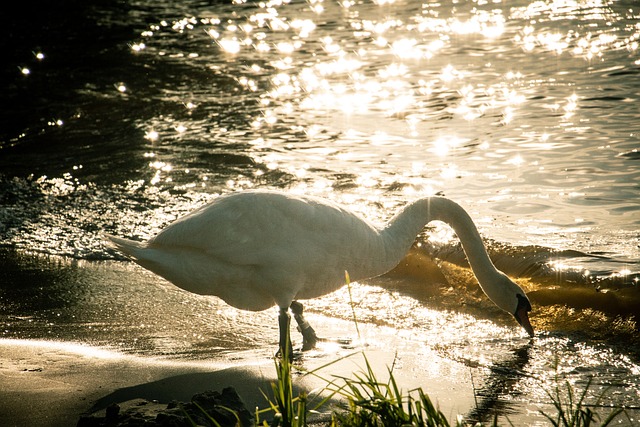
x=496, y=396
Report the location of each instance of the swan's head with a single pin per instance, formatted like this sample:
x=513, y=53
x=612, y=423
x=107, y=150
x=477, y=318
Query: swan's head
x=510, y=297
x=522, y=313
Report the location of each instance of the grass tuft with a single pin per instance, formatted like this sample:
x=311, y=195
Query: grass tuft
x=371, y=402
x=572, y=410
x=289, y=411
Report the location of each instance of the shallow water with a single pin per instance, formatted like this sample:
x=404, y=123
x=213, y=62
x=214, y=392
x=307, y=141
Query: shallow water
x=526, y=113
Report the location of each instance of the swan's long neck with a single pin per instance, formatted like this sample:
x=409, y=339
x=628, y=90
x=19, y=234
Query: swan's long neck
x=403, y=228
x=401, y=231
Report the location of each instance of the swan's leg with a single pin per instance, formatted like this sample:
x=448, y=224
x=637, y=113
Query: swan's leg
x=284, y=321
x=309, y=337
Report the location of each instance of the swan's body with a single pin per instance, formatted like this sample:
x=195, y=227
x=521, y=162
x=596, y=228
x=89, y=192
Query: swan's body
x=257, y=249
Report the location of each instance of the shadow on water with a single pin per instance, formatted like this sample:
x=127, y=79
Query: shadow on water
x=495, y=398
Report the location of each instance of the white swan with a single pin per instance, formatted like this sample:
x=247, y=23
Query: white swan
x=257, y=249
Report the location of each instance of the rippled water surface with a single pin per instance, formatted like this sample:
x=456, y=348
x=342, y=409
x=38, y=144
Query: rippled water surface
x=527, y=113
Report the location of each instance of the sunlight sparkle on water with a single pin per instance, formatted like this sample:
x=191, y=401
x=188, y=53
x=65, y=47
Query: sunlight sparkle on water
x=229, y=45
x=488, y=24
x=592, y=42
x=151, y=135
x=443, y=145
x=303, y=26
x=516, y=160
x=410, y=49
x=137, y=47
x=449, y=73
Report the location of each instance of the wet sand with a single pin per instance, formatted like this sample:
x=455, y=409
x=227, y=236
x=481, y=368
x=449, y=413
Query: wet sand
x=49, y=383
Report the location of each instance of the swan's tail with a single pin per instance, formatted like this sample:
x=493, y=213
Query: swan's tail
x=126, y=246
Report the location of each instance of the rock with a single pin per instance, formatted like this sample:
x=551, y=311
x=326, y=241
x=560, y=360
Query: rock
x=226, y=408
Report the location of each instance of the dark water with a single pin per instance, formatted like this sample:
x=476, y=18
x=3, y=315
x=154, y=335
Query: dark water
x=121, y=117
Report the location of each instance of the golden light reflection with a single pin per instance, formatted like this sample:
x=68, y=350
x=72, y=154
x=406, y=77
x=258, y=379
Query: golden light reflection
x=160, y=167
x=507, y=115
x=589, y=42
x=316, y=6
x=564, y=266
x=137, y=47
x=516, y=160
x=262, y=46
x=329, y=46
x=249, y=84
x=229, y=45
x=342, y=65
x=449, y=73
x=345, y=84
x=303, y=26
x=369, y=180
x=410, y=48
x=287, y=47
x=570, y=106
x=390, y=68
x=443, y=145
x=283, y=64
x=396, y=105
x=489, y=24
x=184, y=23
x=151, y=135
x=450, y=171
x=394, y=70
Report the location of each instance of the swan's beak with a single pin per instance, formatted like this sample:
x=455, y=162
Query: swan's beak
x=522, y=316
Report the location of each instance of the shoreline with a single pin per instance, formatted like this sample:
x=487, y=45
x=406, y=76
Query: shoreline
x=50, y=383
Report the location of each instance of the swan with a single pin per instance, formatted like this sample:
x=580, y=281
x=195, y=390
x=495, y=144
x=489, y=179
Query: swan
x=259, y=248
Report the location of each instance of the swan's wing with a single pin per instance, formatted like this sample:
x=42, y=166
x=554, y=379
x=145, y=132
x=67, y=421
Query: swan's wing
x=254, y=249
x=263, y=228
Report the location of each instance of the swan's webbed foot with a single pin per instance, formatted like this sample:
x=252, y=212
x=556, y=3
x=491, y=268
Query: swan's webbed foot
x=309, y=337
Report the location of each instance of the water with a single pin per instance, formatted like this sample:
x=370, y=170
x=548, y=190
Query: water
x=122, y=119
